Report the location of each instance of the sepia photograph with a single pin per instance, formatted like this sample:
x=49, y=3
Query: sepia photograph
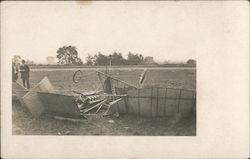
x=128, y=74
x=103, y=78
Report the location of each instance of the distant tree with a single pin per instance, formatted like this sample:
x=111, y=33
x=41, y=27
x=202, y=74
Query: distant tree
x=191, y=62
x=68, y=55
x=100, y=59
x=90, y=59
x=134, y=59
x=117, y=59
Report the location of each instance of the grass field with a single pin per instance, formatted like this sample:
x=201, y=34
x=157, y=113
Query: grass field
x=62, y=79
x=25, y=124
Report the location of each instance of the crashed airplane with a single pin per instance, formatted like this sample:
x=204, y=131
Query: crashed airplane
x=117, y=96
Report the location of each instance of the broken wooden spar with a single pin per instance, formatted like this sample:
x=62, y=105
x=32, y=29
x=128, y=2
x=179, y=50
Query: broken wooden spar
x=117, y=79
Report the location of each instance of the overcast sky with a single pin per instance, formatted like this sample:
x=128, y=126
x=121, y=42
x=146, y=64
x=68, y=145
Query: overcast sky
x=165, y=30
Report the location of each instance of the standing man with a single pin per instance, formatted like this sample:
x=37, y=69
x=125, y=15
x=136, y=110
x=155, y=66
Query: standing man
x=25, y=74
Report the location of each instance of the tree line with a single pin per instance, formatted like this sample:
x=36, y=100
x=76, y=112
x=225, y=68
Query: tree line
x=115, y=58
x=68, y=55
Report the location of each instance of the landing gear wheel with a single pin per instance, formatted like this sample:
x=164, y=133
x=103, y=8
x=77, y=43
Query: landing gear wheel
x=77, y=76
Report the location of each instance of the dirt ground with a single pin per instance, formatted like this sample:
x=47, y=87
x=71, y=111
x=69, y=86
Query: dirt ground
x=25, y=124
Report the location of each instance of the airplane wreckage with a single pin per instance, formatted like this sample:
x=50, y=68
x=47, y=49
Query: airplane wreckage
x=117, y=97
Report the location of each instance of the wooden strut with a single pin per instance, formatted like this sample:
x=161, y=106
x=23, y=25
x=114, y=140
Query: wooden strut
x=126, y=100
x=139, y=106
x=179, y=101
x=151, y=101
x=116, y=98
x=98, y=109
x=102, y=102
x=131, y=85
x=157, y=98
x=115, y=101
x=165, y=101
